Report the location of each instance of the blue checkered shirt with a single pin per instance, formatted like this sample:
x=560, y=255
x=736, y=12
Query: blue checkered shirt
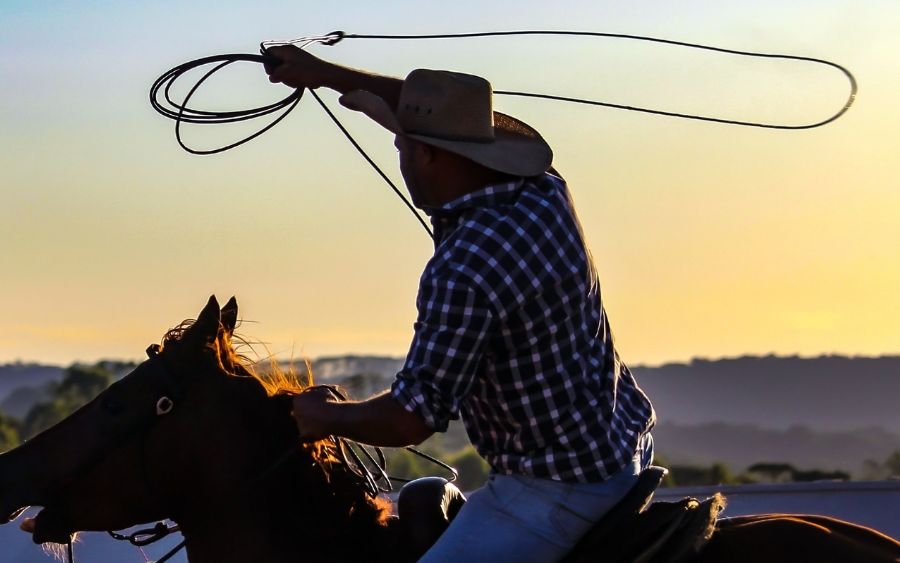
x=511, y=333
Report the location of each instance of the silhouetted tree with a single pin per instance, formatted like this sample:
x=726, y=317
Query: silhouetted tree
x=784, y=472
x=773, y=472
x=892, y=463
x=473, y=470
x=79, y=385
x=689, y=475
x=875, y=470
x=407, y=465
x=9, y=432
x=819, y=475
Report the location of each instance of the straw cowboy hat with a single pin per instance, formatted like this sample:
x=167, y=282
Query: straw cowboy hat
x=453, y=111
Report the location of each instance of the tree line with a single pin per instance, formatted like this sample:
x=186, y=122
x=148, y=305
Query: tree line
x=80, y=383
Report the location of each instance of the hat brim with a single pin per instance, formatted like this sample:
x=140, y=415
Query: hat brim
x=517, y=148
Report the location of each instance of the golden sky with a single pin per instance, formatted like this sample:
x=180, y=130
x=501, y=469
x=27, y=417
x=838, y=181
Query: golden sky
x=711, y=240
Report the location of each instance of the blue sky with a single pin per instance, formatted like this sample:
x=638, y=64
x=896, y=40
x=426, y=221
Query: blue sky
x=711, y=240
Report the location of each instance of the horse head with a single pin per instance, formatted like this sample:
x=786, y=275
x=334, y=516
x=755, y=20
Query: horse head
x=188, y=425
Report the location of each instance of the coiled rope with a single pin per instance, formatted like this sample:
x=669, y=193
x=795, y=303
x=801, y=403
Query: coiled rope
x=181, y=112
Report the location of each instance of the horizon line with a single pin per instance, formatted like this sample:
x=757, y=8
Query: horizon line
x=331, y=357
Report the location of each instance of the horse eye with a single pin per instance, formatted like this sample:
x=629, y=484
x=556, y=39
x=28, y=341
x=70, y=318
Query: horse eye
x=111, y=406
x=164, y=405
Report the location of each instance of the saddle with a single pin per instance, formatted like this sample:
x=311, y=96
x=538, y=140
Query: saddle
x=425, y=507
x=638, y=531
x=633, y=531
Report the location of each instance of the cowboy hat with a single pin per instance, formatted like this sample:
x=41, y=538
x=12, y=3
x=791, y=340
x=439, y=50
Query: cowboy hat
x=453, y=111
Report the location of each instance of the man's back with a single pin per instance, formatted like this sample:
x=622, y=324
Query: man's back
x=512, y=333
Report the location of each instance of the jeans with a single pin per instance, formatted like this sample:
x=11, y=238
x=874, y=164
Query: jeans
x=517, y=518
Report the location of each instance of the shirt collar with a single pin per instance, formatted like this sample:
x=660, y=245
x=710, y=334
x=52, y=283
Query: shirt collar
x=445, y=217
x=485, y=197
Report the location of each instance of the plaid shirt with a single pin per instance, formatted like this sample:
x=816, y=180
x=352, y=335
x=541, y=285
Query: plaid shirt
x=511, y=333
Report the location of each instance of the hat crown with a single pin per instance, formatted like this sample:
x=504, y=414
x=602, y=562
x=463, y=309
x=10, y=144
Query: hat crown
x=446, y=105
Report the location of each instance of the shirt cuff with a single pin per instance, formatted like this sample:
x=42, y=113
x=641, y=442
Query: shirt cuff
x=421, y=400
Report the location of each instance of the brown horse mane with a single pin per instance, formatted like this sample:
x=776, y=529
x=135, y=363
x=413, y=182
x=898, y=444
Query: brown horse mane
x=341, y=497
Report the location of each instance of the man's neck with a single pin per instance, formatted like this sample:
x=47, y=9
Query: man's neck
x=463, y=177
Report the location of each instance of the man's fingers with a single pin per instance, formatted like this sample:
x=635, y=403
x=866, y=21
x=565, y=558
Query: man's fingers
x=295, y=67
x=277, y=69
x=271, y=63
x=311, y=411
x=282, y=51
x=324, y=391
x=277, y=60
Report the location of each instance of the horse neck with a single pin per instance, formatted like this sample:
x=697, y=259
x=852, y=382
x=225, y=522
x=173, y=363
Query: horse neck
x=260, y=530
x=290, y=511
x=239, y=535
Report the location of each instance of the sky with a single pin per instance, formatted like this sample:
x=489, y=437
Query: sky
x=710, y=240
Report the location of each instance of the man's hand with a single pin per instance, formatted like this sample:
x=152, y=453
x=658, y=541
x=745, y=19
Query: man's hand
x=379, y=421
x=314, y=411
x=297, y=68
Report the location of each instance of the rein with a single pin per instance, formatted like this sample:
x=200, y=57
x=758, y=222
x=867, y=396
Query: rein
x=366, y=464
x=169, y=393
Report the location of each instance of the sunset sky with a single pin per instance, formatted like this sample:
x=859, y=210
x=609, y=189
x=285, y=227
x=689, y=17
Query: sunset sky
x=710, y=240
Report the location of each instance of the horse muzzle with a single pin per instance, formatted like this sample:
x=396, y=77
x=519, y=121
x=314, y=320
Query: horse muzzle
x=51, y=526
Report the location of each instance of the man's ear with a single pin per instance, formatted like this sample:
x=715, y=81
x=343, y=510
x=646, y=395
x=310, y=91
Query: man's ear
x=427, y=153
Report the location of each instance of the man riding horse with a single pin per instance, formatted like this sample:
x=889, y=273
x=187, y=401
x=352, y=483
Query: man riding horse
x=511, y=333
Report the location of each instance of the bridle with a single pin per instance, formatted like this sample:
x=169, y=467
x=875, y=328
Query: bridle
x=168, y=393
x=366, y=465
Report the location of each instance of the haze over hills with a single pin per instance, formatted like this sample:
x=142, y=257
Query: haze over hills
x=824, y=393
x=830, y=412
x=19, y=375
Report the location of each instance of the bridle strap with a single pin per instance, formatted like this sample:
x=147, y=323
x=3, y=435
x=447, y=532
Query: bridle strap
x=368, y=473
x=169, y=395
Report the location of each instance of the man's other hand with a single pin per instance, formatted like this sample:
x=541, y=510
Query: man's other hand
x=313, y=410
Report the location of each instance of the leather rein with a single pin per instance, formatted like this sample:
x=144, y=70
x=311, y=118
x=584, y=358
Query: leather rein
x=367, y=464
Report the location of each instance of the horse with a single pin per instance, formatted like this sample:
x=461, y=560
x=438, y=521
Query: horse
x=195, y=435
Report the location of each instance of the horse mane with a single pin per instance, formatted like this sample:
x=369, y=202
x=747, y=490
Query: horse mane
x=274, y=380
x=341, y=501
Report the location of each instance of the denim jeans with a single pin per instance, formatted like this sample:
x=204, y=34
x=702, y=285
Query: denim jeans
x=522, y=519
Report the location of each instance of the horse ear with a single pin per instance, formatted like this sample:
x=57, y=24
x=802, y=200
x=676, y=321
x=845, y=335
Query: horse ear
x=230, y=315
x=208, y=321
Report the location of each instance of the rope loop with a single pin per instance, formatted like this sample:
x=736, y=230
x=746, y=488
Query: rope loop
x=180, y=112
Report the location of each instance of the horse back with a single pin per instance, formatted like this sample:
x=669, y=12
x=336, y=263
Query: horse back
x=796, y=538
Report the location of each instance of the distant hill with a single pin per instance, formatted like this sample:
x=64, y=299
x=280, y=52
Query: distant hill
x=24, y=384
x=740, y=446
x=21, y=399
x=332, y=368
x=829, y=412
x=19, y=375
x=827, y=393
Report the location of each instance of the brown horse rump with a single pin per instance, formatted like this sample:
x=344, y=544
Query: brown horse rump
x=797, y=537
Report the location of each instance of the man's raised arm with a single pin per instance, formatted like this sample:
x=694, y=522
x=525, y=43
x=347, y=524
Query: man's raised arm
x=300, y=69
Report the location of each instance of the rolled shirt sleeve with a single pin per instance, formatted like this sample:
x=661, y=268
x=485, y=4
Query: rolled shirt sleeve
x=445, y=354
